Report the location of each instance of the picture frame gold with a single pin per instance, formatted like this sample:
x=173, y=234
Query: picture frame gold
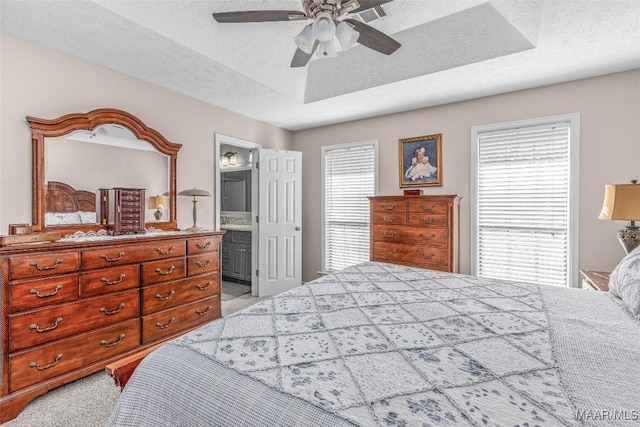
x=420, y=161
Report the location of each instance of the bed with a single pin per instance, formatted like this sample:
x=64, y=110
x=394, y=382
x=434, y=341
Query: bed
x=380, y=344
x=66, y=205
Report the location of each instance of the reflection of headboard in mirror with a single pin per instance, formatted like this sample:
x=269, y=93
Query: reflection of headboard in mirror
x=92, y=128
x=65, y=206
x=63, y=198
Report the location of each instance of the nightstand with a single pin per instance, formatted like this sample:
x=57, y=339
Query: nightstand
x=595, y=280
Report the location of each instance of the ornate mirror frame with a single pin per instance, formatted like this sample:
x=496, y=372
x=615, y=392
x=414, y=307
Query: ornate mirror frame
x=43, y=128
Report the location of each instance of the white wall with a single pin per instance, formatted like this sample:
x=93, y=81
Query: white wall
x=42, y=83
x=609, y=108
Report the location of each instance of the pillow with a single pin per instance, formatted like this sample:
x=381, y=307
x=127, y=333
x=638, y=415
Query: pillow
x=624, y=281
x=87, y=217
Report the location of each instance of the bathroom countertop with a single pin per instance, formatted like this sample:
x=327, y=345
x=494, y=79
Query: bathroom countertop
x=236, y=227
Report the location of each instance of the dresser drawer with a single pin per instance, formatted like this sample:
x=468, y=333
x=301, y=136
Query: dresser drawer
x=408, y=235
x=29, y=266
x=107, y=257
x=118, y=278
x=411, y=254
x=37, y=293
x=388, y=218
x=205, y=244
x=30, y=367
x=169, y=322
x=428, y=220
x=161, y=271
x=55, y=322
x=429, y=206
x=389, y=206
x=201, y=264
x=170, y=294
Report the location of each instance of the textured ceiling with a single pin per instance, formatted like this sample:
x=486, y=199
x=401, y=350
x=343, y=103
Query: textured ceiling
x=451, y=51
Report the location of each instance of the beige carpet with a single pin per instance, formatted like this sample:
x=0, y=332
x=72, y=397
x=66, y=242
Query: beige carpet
x=88, y=402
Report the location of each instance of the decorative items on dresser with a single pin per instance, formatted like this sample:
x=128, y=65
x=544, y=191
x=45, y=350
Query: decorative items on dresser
x=72, y=306
x=419, y=231
x=121, y=210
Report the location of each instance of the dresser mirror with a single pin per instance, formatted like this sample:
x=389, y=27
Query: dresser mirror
x=76, y=155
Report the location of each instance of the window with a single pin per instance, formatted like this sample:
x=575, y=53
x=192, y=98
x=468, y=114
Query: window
x=525, y=213
x=349, y=175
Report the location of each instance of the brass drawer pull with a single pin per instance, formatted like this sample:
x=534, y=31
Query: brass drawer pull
x=203, y=312
x=426, y=221
x=56, y=263
x=203, y=288
x=389, y=235
x=385, y=219
x=389, y=207
x=421, y=253
x=427, y=237
x=201, y=246
x=116, y=311
x=50, y=294
x=207, y=263
x=50, y=328
x=42, y=368
x=118, y=258
x=164, y=273
x=391, y=252
x=425, y=208
x=165, y=326
x=112, y=344
x=161, y=298
x=167, y=252
x=115, y=282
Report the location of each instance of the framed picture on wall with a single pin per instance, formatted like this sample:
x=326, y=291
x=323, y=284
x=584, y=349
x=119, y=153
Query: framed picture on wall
x=421, y=161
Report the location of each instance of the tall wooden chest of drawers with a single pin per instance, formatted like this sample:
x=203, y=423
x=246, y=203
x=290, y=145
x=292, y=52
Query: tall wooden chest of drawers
x=69, y=308
x=419, y=231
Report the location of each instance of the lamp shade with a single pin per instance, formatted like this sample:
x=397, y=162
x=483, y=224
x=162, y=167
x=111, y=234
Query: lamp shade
x=194, y=192
x=305, y=39
x=324, y=28
x=157, y=202
x=621, y=202
x=346, y=35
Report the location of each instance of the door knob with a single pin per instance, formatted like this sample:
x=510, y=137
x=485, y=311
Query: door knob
x=297, y=228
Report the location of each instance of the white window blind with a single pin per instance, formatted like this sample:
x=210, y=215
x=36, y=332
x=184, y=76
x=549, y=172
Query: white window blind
x=349, y=177
x=523, y=204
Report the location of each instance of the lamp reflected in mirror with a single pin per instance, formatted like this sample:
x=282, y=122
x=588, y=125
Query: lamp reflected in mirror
x=158, y=203
x=622, y=203
x=194, y=192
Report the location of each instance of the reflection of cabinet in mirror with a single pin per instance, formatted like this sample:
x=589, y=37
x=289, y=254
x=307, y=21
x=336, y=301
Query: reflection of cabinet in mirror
x=236, y=191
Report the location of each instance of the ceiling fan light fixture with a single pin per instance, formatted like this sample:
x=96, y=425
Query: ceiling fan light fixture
x=324, y=28
x=347, y=36
x=305, y=39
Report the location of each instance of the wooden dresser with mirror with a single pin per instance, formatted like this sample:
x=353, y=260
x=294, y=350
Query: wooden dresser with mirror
x=72, y=306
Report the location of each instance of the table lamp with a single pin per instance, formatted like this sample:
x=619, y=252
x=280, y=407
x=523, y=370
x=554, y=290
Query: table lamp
x=157, y=202
x=195, y=193
x=622, y=202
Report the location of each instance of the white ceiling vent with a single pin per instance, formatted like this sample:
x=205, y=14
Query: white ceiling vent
x=372, y=14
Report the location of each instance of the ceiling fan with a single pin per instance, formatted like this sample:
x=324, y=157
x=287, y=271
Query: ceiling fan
x=327, y=24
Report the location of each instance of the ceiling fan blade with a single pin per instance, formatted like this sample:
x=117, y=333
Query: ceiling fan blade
x=259, y=16
x=368, y=4
x=302, y=58
x=374, y=39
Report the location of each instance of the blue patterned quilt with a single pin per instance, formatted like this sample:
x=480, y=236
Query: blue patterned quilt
x=386, y=345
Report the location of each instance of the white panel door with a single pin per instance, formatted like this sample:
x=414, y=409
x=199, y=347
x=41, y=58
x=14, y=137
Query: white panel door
x=279, y=221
